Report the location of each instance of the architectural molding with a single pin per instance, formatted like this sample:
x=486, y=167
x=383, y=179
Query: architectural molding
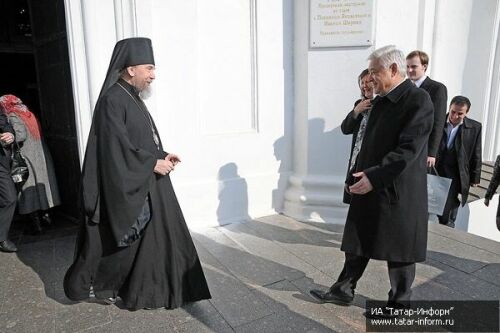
x=254, y=65
x=316, y=198
x=309, y=196
x=79, y=72
x=491, y=126
x=125, y=18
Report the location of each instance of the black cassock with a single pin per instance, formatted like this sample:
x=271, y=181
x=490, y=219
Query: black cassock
x=119, y=253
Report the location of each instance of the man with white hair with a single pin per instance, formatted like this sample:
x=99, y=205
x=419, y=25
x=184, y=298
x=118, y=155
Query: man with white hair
x=387, y=218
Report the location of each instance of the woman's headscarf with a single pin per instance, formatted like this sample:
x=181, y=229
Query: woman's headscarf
x=13, y=104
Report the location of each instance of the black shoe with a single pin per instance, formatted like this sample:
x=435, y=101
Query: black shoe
x=109, y=300
x=332, y=297
x=450, y=224
x=7, y=246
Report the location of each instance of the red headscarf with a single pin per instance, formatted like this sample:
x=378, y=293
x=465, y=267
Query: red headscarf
x=11, y=103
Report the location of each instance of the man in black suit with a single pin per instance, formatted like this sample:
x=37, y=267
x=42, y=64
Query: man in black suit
x=416, y=66
x=459, y=157
x=387, y=217
x=8, y=193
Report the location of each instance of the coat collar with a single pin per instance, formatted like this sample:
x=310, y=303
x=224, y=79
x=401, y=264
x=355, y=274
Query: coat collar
x=399, y=91
x=425, y=82
x=465, y=124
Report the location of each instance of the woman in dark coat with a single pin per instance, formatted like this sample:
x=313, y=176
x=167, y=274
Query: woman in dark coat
x=495, y=181
x=352, y=122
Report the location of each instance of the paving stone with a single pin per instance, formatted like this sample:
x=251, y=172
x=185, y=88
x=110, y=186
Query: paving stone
x=230, y=296
x=467, y=285
x=490, y=273
x=461, y=256
x=20, y=322
x=298, y=309
x=213, y=323
x=290, y=266
x=81, y=316
x=279, y=323
x=259, y=273
x=251, y=269
x=318, y=249
x=286, y=230
x=157, y=318
x=465, y=238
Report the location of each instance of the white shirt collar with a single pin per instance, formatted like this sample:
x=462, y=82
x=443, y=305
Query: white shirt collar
x=419, y=82
x=392, y=88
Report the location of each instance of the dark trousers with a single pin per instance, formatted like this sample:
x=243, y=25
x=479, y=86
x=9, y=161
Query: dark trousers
x=452, y=204
x=8, y=198
x=401, y=276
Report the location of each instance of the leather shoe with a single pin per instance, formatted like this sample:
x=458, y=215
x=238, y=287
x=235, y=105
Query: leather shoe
x=332, y=297
x=7, y=246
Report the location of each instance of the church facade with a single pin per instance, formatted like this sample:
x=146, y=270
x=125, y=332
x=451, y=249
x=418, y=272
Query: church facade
x=253, y=105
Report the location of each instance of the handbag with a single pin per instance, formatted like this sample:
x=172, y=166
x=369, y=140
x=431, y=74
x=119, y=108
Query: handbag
x=437, y=192
x=19, y=171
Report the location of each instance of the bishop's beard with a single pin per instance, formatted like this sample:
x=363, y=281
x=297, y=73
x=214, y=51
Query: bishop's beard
x=146, y=92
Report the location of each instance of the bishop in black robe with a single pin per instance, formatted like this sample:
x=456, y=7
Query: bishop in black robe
x=134, y=242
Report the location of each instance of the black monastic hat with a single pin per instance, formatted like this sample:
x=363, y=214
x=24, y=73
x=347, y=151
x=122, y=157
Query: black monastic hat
x=128, y=52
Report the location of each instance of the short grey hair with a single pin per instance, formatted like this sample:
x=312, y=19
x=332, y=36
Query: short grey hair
x=389, y=55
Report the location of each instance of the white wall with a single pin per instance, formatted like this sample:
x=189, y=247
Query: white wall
x=325, y=91
x=243, y=100
x=466, y=39
x=478, y=219
x=222, y=104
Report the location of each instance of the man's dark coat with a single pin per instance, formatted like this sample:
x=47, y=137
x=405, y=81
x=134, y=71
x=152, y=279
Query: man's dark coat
x=468, y=147
x=390, y=222
x=439, y=98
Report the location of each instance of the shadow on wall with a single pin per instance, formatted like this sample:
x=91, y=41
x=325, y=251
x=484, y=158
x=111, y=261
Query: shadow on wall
x=281, y=154
x=326, y=156
x=328, y=150
x=233, y=195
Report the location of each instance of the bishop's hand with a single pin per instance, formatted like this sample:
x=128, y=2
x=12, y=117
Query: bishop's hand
x=173, y=158
x=163, y=167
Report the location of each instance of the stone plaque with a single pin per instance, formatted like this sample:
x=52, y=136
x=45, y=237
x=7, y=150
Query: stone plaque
x=336, y=23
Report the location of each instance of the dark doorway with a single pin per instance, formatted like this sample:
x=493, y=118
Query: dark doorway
x=34, y=55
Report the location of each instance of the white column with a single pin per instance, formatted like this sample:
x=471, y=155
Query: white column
x=90, y=26
x=79, y=78
x=312, y=194
x=126, y=19
x=491, y=135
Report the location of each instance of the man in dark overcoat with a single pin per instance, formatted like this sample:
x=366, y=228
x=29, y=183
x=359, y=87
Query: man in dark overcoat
x=8, y=193
x=459, y=157
x=387, y=218
x=416, y=67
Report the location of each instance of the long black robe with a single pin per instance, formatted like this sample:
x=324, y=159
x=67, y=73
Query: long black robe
x=161, y=268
